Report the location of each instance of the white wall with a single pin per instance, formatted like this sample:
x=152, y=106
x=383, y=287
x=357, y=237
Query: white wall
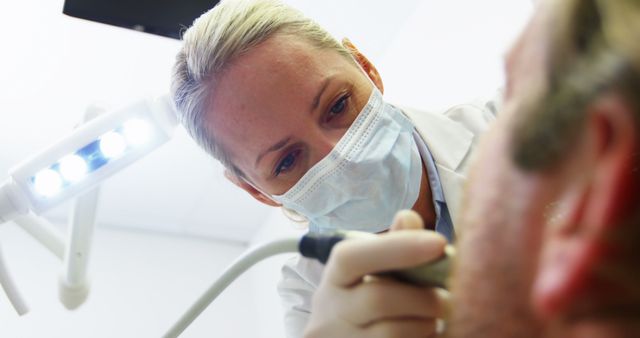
x=141, y=283
x=451, y=51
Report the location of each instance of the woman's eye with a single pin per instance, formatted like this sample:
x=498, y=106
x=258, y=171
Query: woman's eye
x=338, y=107
x=287, y=163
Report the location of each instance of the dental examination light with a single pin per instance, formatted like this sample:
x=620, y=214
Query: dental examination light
x=90, y=154
x=74, y=167
x=316, y=246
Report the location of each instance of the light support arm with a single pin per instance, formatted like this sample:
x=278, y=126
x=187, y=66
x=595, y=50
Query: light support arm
x=76, y=165
x=44, y=232
x=74, y=283
x=10, y=289
x=73, y=286
x=13, y=202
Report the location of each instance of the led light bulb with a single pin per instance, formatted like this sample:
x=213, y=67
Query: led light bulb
x=47, y=182
x=112, y=144
x=136, y=131
x=73, y=168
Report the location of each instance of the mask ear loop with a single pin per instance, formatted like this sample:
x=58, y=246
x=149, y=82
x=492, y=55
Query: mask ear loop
x=267, y=195
x=291, y=214
x=364, y=72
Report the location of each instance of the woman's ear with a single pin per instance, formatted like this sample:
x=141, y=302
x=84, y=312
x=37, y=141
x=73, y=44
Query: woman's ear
x=364, y=63
x=257, y=194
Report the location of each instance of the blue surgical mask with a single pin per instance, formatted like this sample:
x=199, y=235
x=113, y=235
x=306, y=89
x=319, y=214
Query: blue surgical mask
x=373, y=172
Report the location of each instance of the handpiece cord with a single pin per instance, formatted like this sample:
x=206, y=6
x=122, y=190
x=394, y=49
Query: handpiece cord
x=238, y=267
x=319, y=247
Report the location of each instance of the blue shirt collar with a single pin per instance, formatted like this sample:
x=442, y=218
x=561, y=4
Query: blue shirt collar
x=444, y=225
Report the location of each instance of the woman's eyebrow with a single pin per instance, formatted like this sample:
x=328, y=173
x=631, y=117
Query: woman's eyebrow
x=314, y=105
x=323, y=87
x=277, y=146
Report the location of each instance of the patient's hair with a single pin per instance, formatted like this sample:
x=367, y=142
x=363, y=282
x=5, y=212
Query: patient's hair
x=227, y=31
x=595, y=48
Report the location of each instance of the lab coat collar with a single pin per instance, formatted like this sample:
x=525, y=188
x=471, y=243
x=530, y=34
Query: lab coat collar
x=449, y=143
x=447, y=140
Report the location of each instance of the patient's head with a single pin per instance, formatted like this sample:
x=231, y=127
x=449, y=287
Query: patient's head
x=552, y=211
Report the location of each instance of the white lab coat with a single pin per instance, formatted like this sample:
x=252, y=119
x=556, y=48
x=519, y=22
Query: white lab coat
x=451, y=137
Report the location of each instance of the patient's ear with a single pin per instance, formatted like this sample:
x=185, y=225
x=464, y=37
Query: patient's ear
x=366, y=65
x=599, y=191
x=257, y=194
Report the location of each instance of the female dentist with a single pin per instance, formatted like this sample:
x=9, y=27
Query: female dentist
x=299, y=121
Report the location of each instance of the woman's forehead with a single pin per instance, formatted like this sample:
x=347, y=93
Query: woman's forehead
x=266, y=91
x=281, y=68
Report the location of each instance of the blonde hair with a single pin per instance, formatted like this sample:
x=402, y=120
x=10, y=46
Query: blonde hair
x=216, y=38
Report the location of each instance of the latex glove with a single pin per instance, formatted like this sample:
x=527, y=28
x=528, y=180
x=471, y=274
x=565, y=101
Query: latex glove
x=350, y=303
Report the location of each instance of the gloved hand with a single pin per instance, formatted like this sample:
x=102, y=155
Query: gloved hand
x=351, y=303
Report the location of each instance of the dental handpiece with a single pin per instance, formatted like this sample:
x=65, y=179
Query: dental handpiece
x=434, y=273
x=318, y=246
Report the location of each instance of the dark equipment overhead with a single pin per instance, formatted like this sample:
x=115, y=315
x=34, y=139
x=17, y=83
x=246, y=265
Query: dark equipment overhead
x=161, y=17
